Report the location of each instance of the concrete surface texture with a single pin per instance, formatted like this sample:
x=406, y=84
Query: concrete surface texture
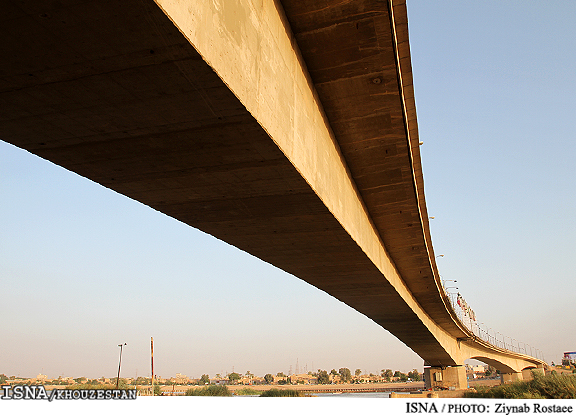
x=287, y=129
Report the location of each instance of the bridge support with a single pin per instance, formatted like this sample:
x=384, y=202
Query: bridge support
x=451, y=377
x=527, y=374
x=511, y=377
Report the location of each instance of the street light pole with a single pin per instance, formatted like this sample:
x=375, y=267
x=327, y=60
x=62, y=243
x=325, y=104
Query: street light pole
x=119, y=363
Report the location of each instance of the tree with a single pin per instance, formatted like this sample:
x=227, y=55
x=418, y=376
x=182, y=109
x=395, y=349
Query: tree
x=122, y=383
x=268, y=378
x=141, y=381
x=280, y=375
x=357, y=372
x=323, y=377
x=414, y=375
x=204, y=380
x=333, y=372
x=387, y=374
x=345, y=374
x=234, y=377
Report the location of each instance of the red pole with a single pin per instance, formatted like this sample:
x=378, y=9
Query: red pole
x=152, y=361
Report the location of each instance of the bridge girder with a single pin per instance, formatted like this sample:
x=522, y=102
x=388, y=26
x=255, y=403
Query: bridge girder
x=219, y=114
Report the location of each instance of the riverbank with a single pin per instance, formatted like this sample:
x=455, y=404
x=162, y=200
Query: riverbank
x=401, y=389
x=313, y=389
x=342, y=388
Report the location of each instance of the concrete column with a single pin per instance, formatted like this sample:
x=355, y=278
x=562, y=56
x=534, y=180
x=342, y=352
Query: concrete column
x=451, y=377
x=511, y=377
x=527, y=373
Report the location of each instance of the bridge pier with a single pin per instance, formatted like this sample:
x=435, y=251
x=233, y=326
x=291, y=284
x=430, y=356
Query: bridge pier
x=527, y=374
x=511, y=377
x=450, y=377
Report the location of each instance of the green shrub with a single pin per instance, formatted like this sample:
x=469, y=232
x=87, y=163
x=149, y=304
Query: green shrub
x=247, y=391
x=212, y=390
x=281, y=393
x=551, y=386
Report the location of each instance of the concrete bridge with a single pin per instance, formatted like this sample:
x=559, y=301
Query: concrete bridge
x=286, y=128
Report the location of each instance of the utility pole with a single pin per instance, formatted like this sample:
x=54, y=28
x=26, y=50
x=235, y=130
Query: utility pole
x=119, y=363
x=152, y=361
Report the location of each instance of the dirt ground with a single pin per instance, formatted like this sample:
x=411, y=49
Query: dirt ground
x=483, y=382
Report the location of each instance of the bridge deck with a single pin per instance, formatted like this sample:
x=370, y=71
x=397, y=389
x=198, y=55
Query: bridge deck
x=116, y=93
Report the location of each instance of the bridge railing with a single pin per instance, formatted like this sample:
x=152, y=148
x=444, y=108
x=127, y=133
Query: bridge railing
x=468, y=318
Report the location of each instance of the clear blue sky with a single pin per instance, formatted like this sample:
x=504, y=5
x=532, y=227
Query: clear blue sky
x=83, y=269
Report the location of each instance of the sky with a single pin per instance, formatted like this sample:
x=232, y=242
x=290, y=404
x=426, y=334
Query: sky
x=84, y=269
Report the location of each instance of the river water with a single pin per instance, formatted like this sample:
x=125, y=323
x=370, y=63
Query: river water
x=353, y=395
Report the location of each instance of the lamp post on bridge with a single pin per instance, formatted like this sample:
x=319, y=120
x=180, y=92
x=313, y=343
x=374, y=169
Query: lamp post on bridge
x=520, y=348
x=449, y=288
x=449, y=295
x=512, y=342
x=480, y=329
x=493, y=342
x=503, y=340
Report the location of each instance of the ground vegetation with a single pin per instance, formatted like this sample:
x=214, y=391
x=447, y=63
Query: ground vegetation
x=552, y=386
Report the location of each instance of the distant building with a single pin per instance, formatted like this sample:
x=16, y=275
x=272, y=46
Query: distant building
x=220, y=381
x=479, y=369
x=181, y=379
x=305, y=379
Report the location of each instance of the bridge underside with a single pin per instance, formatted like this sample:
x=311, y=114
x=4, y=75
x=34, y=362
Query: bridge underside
x=128, y=103
x=116, y=92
